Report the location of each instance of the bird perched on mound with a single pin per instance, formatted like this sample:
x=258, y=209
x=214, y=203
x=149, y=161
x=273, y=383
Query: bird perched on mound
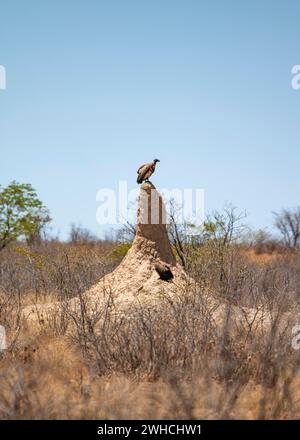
x=163, y=271
x=145, y=171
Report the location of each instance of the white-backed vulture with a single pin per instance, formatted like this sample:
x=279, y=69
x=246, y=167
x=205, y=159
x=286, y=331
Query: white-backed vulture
x=145, y=171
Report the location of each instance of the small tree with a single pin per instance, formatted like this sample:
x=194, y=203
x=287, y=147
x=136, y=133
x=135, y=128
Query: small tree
x=225, y=227
x=22, y=214
x=288, y=224
x=220, y=231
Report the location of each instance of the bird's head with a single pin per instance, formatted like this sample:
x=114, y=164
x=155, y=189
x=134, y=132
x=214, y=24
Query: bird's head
x=156, y=160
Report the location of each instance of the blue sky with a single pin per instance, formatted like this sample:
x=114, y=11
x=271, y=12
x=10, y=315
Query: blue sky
x=96, y=88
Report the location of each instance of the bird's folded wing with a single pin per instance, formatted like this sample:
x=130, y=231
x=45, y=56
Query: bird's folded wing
x=142, y=166
x=142, y=174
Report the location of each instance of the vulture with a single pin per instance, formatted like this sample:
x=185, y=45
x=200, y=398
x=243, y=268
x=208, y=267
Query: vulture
x=145, y=171
x=163, y=271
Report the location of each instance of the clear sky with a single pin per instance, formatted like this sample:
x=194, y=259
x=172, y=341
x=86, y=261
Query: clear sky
x=95, y=88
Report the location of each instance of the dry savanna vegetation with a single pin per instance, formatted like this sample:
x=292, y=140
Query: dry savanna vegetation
x=171, y=359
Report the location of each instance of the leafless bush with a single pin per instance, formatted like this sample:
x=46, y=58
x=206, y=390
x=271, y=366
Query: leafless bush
x=288, y=224
x=179, y=335
x=78, y=234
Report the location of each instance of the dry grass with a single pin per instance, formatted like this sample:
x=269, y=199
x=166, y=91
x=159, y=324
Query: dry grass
x=49, y=379
x=171, y=360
